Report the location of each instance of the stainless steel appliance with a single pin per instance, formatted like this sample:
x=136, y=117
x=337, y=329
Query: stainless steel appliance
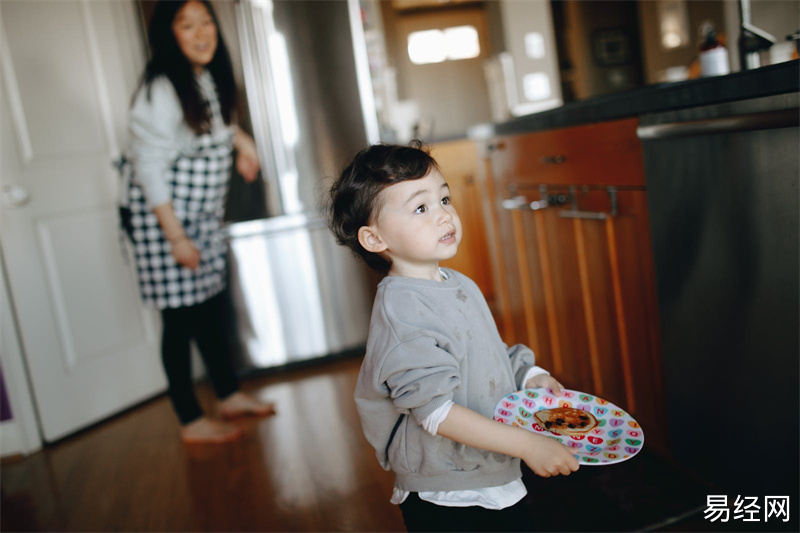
x=722, y=186
x=295, y=294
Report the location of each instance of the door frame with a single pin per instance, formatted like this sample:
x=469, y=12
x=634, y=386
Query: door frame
x=21, y=434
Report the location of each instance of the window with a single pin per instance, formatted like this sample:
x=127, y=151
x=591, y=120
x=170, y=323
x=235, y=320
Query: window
x=534, y=45
x=449, y=44
x=673, y=18
x=536, y=86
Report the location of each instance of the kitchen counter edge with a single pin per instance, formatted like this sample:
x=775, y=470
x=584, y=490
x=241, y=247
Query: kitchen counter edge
x=766, y=81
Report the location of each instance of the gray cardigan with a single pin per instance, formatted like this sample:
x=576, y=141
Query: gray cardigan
x=430, y=342
x=159, y=134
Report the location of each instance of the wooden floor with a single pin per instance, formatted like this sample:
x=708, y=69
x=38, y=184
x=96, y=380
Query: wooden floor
x=308, y=468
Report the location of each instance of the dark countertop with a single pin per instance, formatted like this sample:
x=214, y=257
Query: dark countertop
x=765, y=81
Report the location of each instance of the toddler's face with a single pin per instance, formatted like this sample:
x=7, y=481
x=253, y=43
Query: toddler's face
x=418, y=225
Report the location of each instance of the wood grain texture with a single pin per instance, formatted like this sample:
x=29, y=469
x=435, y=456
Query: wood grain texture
x=492, y=222
x=525, y=288
x=581, y=292
x=308, y=468
x=607, y=153
x=458, y=162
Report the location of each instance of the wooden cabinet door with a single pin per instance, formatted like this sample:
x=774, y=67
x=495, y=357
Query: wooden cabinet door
x=580, y=292
x=458, y=162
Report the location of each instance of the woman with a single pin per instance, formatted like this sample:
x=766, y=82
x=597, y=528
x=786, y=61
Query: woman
x=182, y=142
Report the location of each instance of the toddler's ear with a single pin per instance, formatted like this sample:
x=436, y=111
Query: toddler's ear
x=370, y=240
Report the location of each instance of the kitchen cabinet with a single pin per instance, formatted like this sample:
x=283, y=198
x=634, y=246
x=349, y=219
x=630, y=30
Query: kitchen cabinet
x=458, y=163
x=402, y=5
x=569, y=236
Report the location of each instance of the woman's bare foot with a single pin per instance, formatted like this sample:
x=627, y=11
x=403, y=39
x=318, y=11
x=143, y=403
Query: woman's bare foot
x=205, y=430
x=240, y=404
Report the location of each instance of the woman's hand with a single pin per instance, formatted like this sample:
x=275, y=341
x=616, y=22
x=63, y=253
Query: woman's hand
x=547, y=381
x=247, y=157
x=185, y=253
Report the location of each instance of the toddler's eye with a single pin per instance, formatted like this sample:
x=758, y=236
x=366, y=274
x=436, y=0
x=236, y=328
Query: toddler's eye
x=421, y=209
x=446, y=200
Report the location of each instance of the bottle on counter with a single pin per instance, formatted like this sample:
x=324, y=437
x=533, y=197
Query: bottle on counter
x=796, y=38
x=713, y=54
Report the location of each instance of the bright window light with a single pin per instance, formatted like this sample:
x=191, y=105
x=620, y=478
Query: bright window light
x=284, y=91
x=534, y=45
x=536, y=86
x=462, y=42
x=427, y=46
x=673, y=19
x=435, y=46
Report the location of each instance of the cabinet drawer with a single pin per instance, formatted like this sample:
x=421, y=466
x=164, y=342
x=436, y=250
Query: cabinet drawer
x=608, y=153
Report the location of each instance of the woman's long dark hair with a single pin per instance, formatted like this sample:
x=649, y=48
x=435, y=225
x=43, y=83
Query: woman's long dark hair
x=168, y=60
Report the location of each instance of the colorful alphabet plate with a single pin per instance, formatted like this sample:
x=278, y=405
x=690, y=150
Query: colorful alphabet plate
x=618, y=436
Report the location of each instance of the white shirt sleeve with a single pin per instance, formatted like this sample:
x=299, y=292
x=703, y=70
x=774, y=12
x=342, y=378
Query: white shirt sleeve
x=532, y=372
x=156, y=127
x=432, y=421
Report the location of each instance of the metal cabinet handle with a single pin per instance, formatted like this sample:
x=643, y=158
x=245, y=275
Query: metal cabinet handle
x=781, y=118
x=588, y=215
x=591, y=215
x=520, y=203
x=553, y=159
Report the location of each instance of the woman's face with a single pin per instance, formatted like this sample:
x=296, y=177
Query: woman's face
x=196, y=34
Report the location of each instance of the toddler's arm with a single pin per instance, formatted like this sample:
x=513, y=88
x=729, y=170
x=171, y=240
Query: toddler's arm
x=545, y=456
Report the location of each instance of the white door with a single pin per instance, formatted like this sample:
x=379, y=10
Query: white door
x=68, y=71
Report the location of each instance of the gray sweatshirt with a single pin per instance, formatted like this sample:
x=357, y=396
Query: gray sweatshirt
x=430, y=342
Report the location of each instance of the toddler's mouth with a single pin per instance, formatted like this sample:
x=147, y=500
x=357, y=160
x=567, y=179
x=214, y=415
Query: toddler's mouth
x=448, y=236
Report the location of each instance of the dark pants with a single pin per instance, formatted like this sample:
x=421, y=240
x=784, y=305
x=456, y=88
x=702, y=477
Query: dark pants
x=203, y=323
x=420, y=515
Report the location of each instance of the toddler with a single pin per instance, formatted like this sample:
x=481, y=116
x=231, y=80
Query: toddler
x=435, y=365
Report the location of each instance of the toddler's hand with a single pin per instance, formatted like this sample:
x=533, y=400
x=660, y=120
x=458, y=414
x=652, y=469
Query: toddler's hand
x=546, y=381
x=547, y=457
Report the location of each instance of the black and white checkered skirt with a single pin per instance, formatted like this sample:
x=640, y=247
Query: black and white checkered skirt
x=199, y=185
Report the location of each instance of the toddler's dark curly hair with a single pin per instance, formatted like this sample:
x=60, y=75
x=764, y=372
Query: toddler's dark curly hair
x=354, y=196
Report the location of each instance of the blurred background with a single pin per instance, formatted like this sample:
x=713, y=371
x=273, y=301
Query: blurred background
x=563, y=102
